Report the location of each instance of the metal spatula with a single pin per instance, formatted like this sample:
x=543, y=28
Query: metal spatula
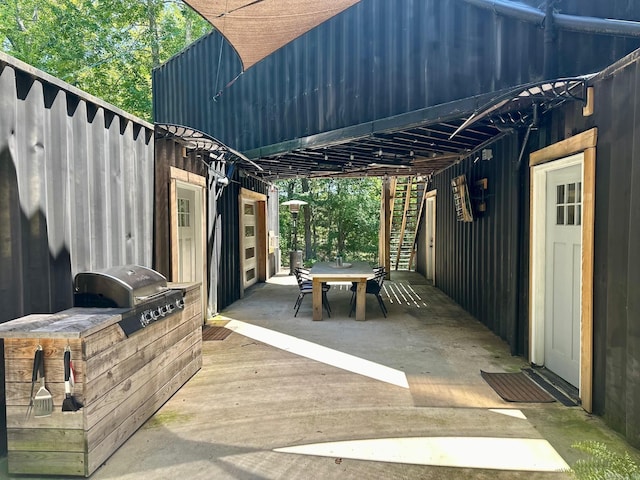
x=43, y=401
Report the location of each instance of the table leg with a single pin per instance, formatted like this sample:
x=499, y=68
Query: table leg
x=361, y=299
x=317, y=298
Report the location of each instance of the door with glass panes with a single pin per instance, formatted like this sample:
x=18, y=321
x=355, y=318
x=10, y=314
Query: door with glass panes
x=249, y=242
x=563, y=272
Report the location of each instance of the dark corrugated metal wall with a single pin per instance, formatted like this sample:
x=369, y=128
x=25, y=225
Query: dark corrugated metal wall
x=76, y=192
x=617, y=229
x=478, y=263
x=484, y=265
x=375, y=60
x=621, y=9
x=76, y=189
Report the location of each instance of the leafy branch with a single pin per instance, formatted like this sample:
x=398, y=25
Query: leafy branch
x=603, y=464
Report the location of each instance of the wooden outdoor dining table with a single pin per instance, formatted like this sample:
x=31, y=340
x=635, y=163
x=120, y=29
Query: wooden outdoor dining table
x=349, y=272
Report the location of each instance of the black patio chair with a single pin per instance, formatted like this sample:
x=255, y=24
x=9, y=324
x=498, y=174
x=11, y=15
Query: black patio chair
x=372, y=281
x=305, y=286
x=374, y=287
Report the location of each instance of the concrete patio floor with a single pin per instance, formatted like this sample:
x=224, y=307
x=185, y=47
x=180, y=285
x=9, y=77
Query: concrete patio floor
x=398, y=397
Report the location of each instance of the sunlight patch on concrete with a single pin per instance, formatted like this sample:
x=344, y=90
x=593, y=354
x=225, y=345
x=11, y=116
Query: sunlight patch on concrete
x=516, y=454
x=319, y=353
x=509, y=412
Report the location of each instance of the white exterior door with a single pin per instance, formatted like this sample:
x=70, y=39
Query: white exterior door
x=249, y=243
x=187, y=235
x=187, y=193
x=563, y=180
x=563, y=238
x=431, y=237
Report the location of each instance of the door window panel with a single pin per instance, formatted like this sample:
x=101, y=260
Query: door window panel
x=569, y=204
x=184, y=215
x=250, y=275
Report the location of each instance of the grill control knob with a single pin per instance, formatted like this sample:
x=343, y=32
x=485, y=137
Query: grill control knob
x=170, y=307
x=180, y=303
x=145, y=318
x=155, y=314
x=163, y=310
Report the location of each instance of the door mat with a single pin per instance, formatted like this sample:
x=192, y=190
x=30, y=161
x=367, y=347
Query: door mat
x=210, y=332
x=516, y=387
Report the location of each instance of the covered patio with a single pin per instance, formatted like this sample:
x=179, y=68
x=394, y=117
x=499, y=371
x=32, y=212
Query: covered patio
x=395, y=397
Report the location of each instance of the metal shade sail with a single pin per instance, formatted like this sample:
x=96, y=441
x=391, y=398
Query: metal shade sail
x=257, y=28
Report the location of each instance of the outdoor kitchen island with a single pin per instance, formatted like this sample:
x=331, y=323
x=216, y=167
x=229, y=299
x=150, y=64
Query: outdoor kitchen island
x=123, y=374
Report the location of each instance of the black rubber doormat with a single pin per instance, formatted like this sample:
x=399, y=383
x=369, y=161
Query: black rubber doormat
x=516, y=387
x=211, y=332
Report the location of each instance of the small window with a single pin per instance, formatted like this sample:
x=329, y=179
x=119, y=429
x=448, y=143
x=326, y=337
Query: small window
x=560, y=215
x=568, y=204
x=249, y=231
x=571, y=215
x=249, y=253
x=571, y=190
x=578, y=214
x=579, y=193
x=249, y=209
x=250, y=275
x=184, y=213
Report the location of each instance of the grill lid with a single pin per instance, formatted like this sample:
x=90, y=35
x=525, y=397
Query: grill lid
x=122, y=286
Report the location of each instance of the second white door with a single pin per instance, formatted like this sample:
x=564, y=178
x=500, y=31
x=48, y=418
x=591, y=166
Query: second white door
x=563, y=246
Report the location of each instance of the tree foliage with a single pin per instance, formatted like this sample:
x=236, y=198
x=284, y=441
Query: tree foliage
x=342, y=218
x=105, y=47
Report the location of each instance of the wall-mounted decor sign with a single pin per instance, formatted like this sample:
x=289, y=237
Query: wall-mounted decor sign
x=461, y=199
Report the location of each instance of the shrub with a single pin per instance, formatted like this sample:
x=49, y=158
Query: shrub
x=603, y=464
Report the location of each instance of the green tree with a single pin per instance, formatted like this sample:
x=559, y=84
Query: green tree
x=342, y=217
x=104, y=47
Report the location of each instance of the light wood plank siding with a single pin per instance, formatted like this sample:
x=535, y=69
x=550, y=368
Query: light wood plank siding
x=120, y=380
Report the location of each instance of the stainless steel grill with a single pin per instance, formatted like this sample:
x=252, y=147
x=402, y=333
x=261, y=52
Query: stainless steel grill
x=141, y=291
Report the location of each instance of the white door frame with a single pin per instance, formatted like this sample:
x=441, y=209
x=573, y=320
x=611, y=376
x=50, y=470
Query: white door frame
x=430, y=218
x=262, y=243
x=184, y=179
x=560, y=155
x=539, y=254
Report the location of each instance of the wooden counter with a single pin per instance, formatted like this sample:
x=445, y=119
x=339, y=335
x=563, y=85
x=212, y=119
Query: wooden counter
x=122, y=381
